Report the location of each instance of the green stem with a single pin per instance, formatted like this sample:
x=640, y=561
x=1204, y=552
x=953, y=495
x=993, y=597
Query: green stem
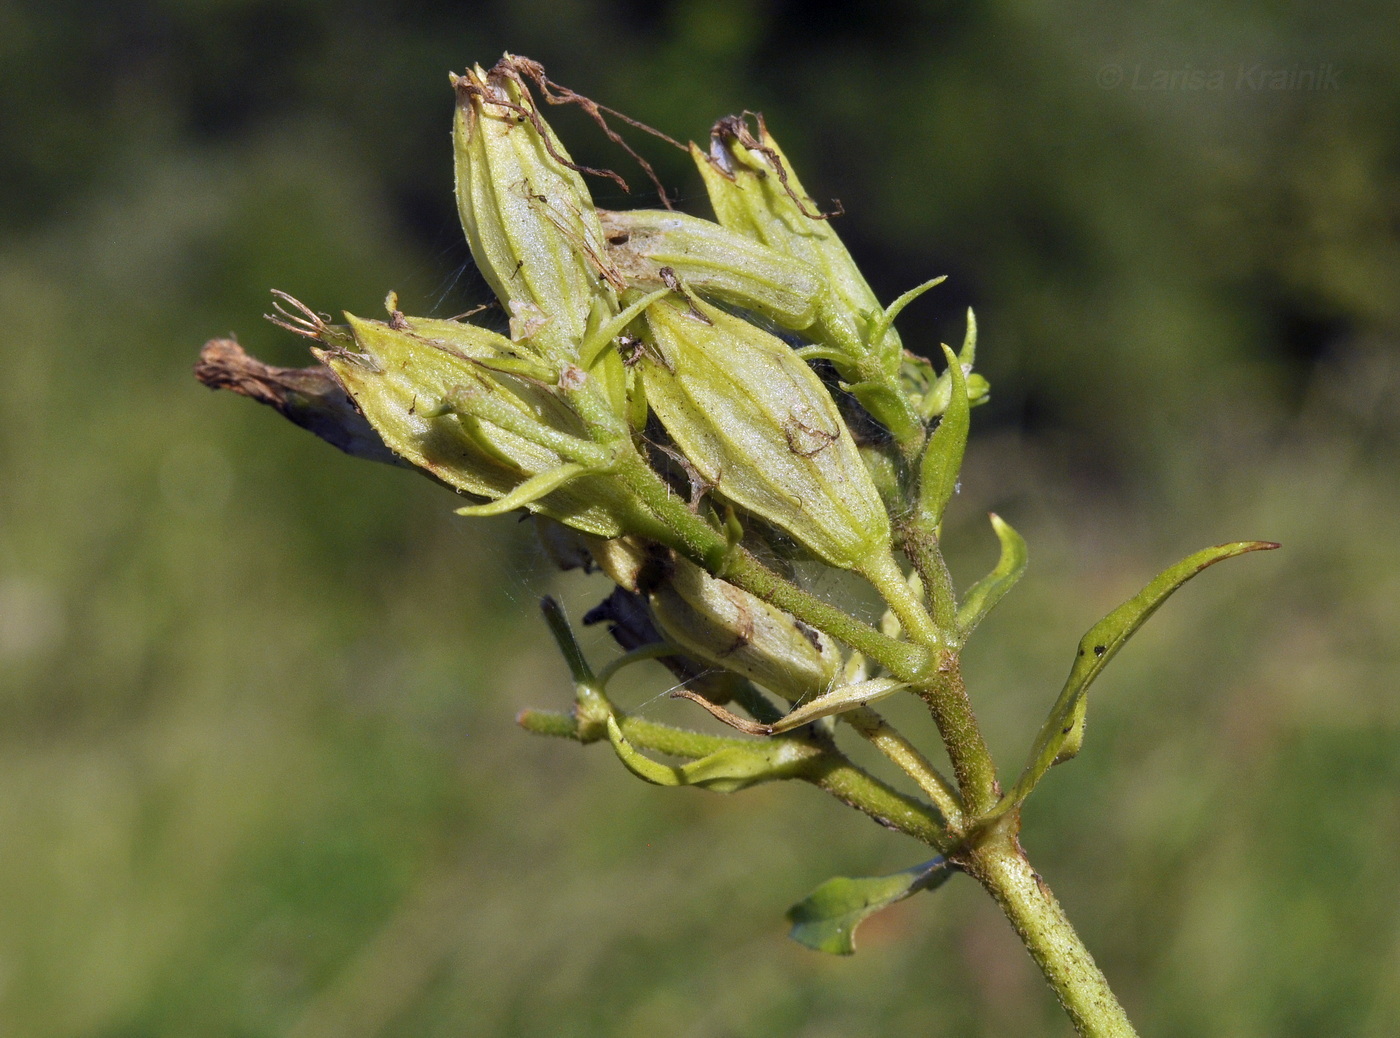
x=921, y=545
x=899, y=658
x=830, y=771
x=943, y=691
x=1001, y=867
x=867, y=794
x=946, y=696
x=906, y=756
x=884, y=573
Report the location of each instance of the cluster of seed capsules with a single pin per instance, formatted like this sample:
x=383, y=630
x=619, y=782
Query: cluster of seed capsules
x=691, y=405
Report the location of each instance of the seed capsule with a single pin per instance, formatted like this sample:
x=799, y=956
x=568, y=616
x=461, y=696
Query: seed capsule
x=714, y=261
x=754, y=191
x=760, y=429
x=718, y=623
x=527, y=213
x=429, y=390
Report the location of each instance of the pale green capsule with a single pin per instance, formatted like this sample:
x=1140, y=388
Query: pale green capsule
x=426, y=388
x=718, y=623
x=714, y=261
x=761, y=430
x=754, y=191
x=527, y=214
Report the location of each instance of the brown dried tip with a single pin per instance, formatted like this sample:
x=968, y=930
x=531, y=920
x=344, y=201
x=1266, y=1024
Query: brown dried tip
x=518, y=68
x=308, y=397
x=734, y=129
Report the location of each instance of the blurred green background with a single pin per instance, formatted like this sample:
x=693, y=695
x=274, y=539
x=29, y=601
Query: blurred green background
x=258, y=769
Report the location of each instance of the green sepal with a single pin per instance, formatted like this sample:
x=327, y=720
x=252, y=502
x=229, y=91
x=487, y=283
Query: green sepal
x=521, y=367
x=943, y=456
x=726, y=770
x=837, y=701
x=1063, y=732
x=527, y=493
x=886, y=321
x=988, y=591
x=600, y=338
x=827, y=918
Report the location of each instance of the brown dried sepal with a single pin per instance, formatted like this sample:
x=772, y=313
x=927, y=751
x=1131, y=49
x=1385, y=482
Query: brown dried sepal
x=309, y=397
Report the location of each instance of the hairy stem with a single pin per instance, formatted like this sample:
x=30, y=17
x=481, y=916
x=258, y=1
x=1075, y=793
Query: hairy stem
x=884, y=573
x=947, y=701
x=1001, y=867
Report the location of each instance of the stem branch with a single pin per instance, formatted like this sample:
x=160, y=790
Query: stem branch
x=904, y=755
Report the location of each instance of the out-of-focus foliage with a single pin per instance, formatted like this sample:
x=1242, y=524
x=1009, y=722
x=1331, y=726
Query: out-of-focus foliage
x=258, y=774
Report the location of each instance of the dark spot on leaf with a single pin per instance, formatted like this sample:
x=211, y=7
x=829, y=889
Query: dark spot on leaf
x=810, y=633
x=805, y=440
x=1099, y=650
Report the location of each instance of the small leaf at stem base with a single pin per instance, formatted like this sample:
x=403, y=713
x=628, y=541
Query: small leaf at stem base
x=826, y=919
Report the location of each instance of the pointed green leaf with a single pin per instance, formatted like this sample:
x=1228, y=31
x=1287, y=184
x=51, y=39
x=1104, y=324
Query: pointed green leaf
x=838, y=700
x=534, y=488
x=826, y=919
x=1063, y=731
x=987, y=592
x=886, y=319
x=968, y=353
x=938, y=472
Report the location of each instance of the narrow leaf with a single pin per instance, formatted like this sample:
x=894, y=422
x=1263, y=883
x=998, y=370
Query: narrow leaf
x=883, y=325
x=987, y=592
x=826, y=919
x=534, y=488
x=968, y=353
x=838, y=700
x=1063, y=731
x=938, y=475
